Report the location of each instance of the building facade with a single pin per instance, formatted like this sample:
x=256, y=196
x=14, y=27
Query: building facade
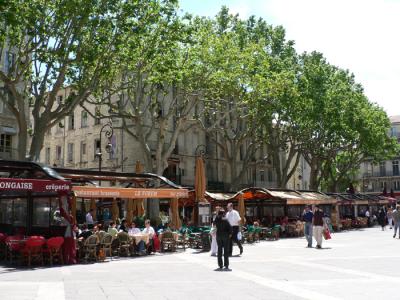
x=385, y=176
x=75, y=143
x=8, y=123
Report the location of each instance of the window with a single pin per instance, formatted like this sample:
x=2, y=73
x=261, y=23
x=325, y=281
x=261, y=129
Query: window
x=396, y=185
x=393, y=132
x=97, y=121
x=20, y=212
x=70, y=155
x=84, y=119
x=5, y=143
x=395, y=165
x=96, y=147
x=47, y=156
x=6, y=211
x=1, y=107
x=270, y=176
x=262, y=175
x=382, y=169
x=58, y=152
x=10, y=61
x=71, y=122
x=41, y=212
x=59, y=100
x=83, y=151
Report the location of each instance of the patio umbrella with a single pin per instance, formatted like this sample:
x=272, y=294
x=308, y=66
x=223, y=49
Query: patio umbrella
x=114, y=210
x=175, y=220
x=129, y=210
x=139, y=204
x=139, y=207
x=138, y=167
x=241, y=207
x=199, y=186
x=93, y=206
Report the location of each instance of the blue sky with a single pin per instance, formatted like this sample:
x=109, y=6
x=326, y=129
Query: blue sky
x=359, y=35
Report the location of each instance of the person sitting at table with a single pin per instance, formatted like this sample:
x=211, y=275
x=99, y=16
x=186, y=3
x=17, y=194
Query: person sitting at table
x=133, y=229
x=150, y=231
x=85, y=232
x=123, y=226
x=112, y=229
x=140, y=246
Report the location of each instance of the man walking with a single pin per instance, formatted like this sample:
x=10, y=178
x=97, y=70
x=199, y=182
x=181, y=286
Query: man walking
x=308, y=226
x=318, y=225
x=224, y=231
x=233, y=218
x=396, y=220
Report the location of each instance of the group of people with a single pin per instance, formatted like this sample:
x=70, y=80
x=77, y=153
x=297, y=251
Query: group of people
x=226, y=231
x=390, y=217
x=315, y=224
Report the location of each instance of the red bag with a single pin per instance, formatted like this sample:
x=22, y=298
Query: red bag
x=326, y=234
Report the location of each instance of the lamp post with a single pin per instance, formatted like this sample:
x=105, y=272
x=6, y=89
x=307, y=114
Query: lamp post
x=108, y=133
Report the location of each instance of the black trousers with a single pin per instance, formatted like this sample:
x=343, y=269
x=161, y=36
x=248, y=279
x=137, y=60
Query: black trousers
x=235, y=230
x=223, y=247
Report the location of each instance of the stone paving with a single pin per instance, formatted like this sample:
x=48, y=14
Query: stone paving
x=359, y=264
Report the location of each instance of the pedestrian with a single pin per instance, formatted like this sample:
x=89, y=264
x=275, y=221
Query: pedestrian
x=389, y=217
x=367, y=215
x=233, y=218
x=382, y=218
x=308, y=226
x=318, y=225
x=224, y=231
x=396, y=220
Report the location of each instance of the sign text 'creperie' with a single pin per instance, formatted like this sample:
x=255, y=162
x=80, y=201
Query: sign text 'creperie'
x=33, y=185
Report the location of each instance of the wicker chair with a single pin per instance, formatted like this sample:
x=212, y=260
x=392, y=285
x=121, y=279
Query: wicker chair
x=168, y=241
x=33, y=250
x=183, y=240
x=124, y=244
x=105, y=244
x=90, y=247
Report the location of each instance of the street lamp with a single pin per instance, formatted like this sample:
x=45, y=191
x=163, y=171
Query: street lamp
x=108, y=133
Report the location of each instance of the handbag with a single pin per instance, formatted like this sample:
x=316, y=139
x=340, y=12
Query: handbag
x=326, y=234
x=239, y=236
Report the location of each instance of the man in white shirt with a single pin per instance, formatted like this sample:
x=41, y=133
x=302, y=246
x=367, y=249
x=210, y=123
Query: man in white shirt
x=89, y=218
x=150, y=231
x=233, y=218
x=133, y=229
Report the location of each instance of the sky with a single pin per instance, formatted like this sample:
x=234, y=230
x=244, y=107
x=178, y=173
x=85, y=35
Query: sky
x=362, y=36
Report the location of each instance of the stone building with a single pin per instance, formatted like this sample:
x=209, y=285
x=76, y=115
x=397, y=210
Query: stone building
x=384, y=176
x=8, y=123
x=75, y=143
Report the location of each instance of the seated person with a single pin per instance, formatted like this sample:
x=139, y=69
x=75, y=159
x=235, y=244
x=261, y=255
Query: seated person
x=133, y=229
x=140, y=247
x=150, y=231
x=85, y=233
x=123, y=226
x=112, y=229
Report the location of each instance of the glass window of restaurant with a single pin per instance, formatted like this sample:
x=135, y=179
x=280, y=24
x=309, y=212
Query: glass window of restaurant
x=41, y=211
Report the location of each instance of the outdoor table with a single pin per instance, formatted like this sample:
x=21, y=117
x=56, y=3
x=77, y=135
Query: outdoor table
x=140, y=237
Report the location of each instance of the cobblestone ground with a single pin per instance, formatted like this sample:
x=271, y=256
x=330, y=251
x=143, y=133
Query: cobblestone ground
x=359, y=264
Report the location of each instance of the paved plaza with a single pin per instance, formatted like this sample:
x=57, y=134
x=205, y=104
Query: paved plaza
x=359, y=264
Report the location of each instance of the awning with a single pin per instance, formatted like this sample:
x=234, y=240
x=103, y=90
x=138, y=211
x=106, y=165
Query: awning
x=129, y=193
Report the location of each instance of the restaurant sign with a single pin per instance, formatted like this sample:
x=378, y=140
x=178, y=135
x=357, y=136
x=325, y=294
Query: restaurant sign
x=34, y=185
x=130, y=193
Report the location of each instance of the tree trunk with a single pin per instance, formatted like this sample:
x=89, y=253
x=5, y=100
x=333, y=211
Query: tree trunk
x=314, y=174
x=37, y=142
x=22, y=139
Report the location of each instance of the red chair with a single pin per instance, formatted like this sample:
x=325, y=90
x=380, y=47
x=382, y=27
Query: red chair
x=33, y=249
x=54, y=249
x=14, y=244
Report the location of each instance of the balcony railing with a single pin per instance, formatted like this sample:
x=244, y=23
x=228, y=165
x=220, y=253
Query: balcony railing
x=381, y=174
